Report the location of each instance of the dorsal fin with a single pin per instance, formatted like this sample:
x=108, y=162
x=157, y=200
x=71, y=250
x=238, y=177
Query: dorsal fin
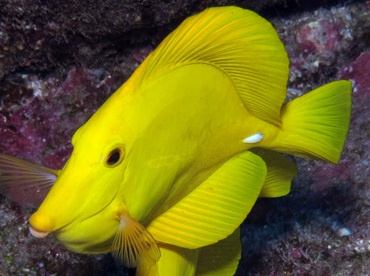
x=241, y=44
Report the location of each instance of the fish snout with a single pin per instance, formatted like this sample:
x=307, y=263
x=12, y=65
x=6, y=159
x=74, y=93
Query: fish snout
x=40, y=225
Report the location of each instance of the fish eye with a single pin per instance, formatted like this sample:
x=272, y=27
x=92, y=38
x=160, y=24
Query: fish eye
x=115, y=157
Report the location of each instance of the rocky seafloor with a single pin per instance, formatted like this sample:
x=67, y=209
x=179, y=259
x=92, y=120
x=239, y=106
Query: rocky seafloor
x=58, y=64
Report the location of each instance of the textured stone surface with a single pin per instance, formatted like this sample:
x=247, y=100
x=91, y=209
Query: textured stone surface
x=41, y=35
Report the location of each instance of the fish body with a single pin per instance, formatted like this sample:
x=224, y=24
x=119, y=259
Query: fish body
x=175, y=159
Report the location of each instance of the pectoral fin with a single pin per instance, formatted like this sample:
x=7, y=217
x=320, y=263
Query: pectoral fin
x=216, y=207
x=133, y=244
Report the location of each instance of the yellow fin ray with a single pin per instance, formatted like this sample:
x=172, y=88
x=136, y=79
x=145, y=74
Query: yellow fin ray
x=134, y=245
x=280, y=173
x=25, y=182
x=241, y=44
x=315, y=125
x=222, y=258
x=216, y=207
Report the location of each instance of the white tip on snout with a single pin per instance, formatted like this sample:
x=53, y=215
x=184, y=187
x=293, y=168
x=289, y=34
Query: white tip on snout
x=255, y=138
x=37, y=234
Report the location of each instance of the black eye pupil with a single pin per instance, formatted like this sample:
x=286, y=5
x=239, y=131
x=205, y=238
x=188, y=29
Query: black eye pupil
x=114, y=157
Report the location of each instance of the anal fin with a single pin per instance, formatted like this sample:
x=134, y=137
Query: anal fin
x=216, y=207
x=174, y=261
x=222, y=258
x=280, y=173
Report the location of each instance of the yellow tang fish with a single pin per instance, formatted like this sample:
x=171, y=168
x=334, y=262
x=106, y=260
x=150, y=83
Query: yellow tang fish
x=163, y=174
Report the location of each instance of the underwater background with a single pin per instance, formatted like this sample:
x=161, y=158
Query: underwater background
x=60, y=61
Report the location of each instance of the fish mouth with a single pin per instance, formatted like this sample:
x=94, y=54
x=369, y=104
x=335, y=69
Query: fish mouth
x=37, y=233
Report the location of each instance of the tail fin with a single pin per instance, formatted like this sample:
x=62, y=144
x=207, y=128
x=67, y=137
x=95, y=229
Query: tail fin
x=26, y=183
x=316, y=124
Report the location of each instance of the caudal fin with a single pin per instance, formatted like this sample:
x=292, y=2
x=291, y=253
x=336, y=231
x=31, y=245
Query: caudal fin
x=26, y=183
x=316, y=124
